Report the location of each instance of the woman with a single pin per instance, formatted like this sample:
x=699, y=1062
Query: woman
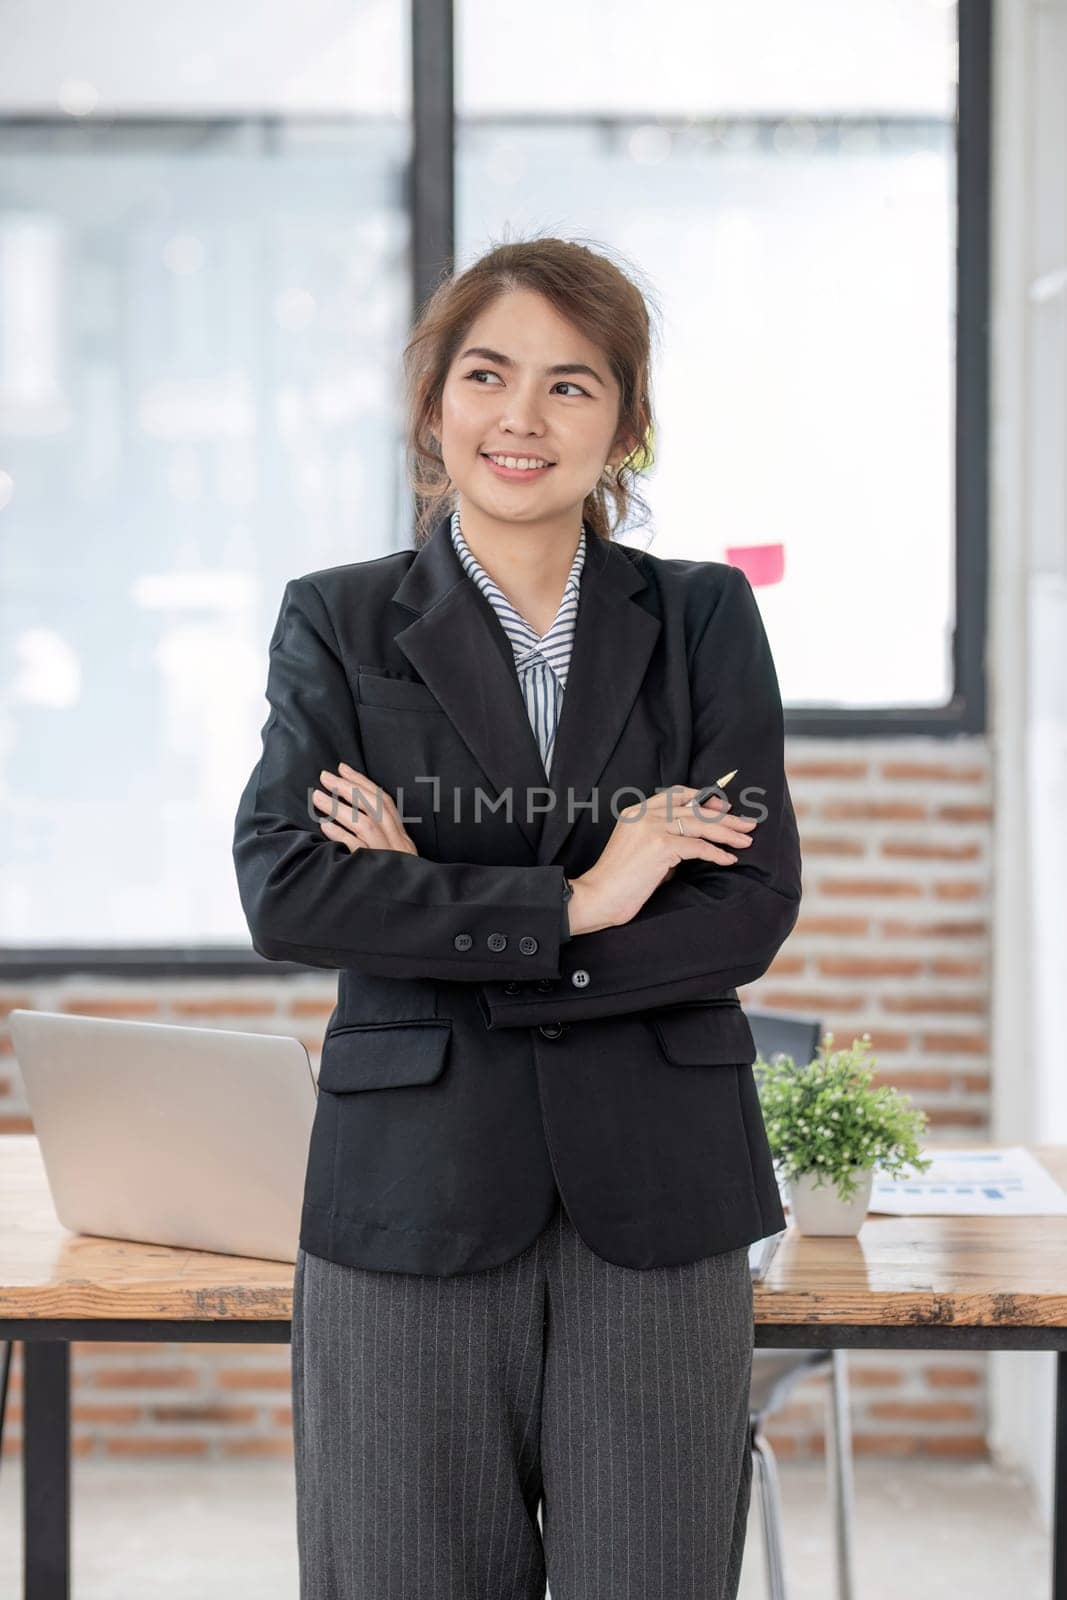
x=538, y=1159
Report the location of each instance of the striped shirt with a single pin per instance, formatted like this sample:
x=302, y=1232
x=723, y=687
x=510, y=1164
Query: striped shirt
x=541, y=660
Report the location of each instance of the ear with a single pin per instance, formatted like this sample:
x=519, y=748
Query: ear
x=625, y=444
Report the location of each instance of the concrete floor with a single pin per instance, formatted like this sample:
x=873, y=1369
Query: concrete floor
x=162, y=1532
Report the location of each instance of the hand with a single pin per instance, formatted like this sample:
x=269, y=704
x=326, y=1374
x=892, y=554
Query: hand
x=645, y=848
x=361, y=815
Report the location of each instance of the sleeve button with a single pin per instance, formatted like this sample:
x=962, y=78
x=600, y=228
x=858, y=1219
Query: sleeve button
x=579, y=977
x=462, y=941
x=527, y=944
x=497, y=941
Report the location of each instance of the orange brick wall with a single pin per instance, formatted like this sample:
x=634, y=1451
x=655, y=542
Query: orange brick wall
x=893, y=938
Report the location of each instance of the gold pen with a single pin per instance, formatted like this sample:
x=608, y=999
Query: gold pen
x=702, y=794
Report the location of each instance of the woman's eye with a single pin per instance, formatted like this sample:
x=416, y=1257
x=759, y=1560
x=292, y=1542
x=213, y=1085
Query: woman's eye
x=481, y=372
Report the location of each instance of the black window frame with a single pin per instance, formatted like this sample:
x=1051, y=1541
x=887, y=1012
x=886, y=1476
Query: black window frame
x=430, y=195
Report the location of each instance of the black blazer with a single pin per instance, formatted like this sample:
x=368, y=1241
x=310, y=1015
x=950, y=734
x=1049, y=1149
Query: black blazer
x=475, y=1063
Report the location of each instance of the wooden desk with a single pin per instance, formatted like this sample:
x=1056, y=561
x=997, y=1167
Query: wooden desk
x=904, y=1283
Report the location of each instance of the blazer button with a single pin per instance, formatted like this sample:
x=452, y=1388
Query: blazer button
x=579, y=977
x=462, y=941
x=527, y=944
x=551, y=1030
x=497, y=941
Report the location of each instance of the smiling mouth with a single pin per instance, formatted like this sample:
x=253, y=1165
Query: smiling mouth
x=502, y=463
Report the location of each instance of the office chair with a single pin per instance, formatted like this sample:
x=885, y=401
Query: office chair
x=777, y=1372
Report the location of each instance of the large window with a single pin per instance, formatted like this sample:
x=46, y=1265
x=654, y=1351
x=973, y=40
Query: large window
x=203, y=289
x=785, y=178
x=213, y=229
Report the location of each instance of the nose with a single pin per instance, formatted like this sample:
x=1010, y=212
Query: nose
x=522, y=414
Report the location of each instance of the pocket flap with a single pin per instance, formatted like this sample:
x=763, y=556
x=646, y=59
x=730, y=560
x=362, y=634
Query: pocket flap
x=399, y=694
x=373, y=1056
x=706, y=1036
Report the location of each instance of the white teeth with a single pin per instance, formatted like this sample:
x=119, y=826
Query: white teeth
x=523, y=462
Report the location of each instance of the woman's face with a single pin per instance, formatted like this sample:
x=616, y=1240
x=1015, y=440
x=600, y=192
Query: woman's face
x=501, y=397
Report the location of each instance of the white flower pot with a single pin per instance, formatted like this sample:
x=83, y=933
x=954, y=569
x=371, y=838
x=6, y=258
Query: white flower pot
x=816, y=1207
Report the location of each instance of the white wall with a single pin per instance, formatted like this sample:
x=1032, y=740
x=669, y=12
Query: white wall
x=1028, y=646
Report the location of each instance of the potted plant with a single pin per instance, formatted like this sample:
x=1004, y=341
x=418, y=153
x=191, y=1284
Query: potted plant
x=828, y=1129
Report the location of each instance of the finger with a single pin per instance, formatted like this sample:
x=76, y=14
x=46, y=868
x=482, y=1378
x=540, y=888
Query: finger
x=379, y=802
x=741, y=827
x=733, y=822
x=360, y=796
x=339, y=814
x=716, y=804
x=676, y=794
x=712, y=804
x=682, y=797
x=359, y=791
x=392, y=835
x=366, y=801
x=729, y=831
x=704, y=850
x=333, y=831
x=361, y=823
x=725, y=833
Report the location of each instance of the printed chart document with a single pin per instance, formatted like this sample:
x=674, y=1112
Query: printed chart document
x=966, y=1182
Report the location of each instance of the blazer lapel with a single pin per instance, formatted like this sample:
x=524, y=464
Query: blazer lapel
x=459, y=649
x=613, y=642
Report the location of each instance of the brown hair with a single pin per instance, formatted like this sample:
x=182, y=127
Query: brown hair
x=591, y=291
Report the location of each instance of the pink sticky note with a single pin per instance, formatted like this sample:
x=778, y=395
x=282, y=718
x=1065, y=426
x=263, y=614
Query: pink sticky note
x=761, y=563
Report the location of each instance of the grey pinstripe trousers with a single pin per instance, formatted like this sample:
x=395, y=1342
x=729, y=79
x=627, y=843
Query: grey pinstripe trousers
x=433, y=1417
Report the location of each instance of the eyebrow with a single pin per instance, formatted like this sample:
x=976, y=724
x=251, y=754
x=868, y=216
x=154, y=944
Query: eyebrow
x=558, y=371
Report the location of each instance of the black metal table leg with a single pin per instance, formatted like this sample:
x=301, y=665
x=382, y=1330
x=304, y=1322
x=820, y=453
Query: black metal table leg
x=46, y=1421
x=46, y=1469
x=1059, y=1484
x=46, y=1429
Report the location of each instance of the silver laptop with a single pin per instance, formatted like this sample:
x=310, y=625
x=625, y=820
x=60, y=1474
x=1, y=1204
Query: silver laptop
x=196, y=1137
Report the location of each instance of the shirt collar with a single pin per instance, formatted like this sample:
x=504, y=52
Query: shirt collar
x=553, y=647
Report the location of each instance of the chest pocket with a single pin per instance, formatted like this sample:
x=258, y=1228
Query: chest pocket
x=407, y=739
x=415, y=752
x=399, y=694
